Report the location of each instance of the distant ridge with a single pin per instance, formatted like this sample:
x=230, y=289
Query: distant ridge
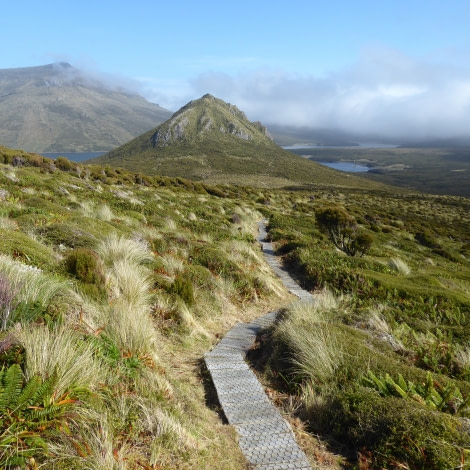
x=213, y=141
x=57, y=108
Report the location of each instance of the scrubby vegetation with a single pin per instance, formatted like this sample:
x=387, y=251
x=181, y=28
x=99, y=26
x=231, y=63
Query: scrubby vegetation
x=433, y=170
x=112, y=286
x=380, y=361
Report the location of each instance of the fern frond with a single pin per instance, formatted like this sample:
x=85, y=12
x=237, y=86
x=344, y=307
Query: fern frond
x=393, y=388
x=44, y=393
x=402, y=382
x=11, y=386
x=28, y=394
x=372, y=381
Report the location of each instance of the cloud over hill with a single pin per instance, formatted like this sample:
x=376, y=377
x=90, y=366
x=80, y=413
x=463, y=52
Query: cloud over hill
x=385, y=92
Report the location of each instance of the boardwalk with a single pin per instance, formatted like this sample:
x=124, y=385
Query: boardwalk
x=265, y=438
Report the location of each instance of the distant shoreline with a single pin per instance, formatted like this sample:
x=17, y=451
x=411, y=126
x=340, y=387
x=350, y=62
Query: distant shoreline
x=74, y=156
x=364, y=145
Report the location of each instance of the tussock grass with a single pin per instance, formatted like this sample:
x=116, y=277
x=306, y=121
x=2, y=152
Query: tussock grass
x=104, y=212
x=316, y=349
x=318, y=354
x=189, y=321
x=170, y=224
x=132, y=330
x=462, y=357
x=398, y=265
x=171, y=264
x=31, y=284
x=116, y=247
x=127, y=320
x=129, y=284
x=8, y=224
x=62, y=352
x=88, y=208
x=377, y=322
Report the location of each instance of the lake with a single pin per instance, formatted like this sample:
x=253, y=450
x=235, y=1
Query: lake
x=74, y=156
x=346, y=166
x=361, y=145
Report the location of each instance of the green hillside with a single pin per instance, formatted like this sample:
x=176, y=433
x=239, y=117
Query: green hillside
x=58, y=108
x=113, y=285
x=212, y=141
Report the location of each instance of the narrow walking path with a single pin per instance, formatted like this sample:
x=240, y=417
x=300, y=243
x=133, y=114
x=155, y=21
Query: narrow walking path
x=265, y=437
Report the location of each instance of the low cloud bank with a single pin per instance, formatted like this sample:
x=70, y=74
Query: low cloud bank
x=385, y=93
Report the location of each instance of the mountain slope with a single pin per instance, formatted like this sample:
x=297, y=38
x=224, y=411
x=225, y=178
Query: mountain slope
x=213, y=141
x=56, y=108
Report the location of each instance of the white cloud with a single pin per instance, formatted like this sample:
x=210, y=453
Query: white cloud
x=386, y=92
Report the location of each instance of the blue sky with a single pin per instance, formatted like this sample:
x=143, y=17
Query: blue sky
x=400, y=67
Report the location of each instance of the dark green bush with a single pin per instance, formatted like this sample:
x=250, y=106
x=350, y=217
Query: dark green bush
x=398, y=433
x=343, y=231
x=427, y=239
x=64, y=164
x=444, y=254
x=86, y=266
x=200, y=276
x=183, y=287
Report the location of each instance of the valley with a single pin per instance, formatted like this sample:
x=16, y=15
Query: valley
x=432, y=170
x=120, y=273
x=149, y=272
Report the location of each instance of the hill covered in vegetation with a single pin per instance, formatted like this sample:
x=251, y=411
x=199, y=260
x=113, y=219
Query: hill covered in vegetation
x=58, y=108
x=213, y=141
x=113, y=284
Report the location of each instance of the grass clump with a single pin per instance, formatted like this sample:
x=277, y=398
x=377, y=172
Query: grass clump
x=61, y=353
x=398, y=265
x=316, y=352
x=115, y=248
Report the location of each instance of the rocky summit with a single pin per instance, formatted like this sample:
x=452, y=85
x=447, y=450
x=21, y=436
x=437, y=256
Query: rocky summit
x=201, y=119
x=58, y=108
x=213, y=141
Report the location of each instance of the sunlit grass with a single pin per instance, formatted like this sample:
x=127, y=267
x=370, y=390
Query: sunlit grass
x=305, y=329
x=399, y=266
x=62, y=352
x=115, y=248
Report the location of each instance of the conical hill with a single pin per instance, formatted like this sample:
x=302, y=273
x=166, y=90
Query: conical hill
x=213, y=141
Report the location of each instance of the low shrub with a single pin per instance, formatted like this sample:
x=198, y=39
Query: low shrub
x=68, y=234
x=86, y=266
x=183, y=287
x=22, y=247
x=396, y=433
x=426, y=238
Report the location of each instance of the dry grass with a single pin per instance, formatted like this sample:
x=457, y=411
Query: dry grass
x=104, y=212
x=130, y=284
x=8, y=224
x=62, y=352
x=463, y=358
x=132, y=331
x=172, y=264
x=398, y=265
x=306, y=331
x=376, y=320
x=31, y=284
x=116, y=248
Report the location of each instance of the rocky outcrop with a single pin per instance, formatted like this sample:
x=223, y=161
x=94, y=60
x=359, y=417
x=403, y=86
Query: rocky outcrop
x=199, y=118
